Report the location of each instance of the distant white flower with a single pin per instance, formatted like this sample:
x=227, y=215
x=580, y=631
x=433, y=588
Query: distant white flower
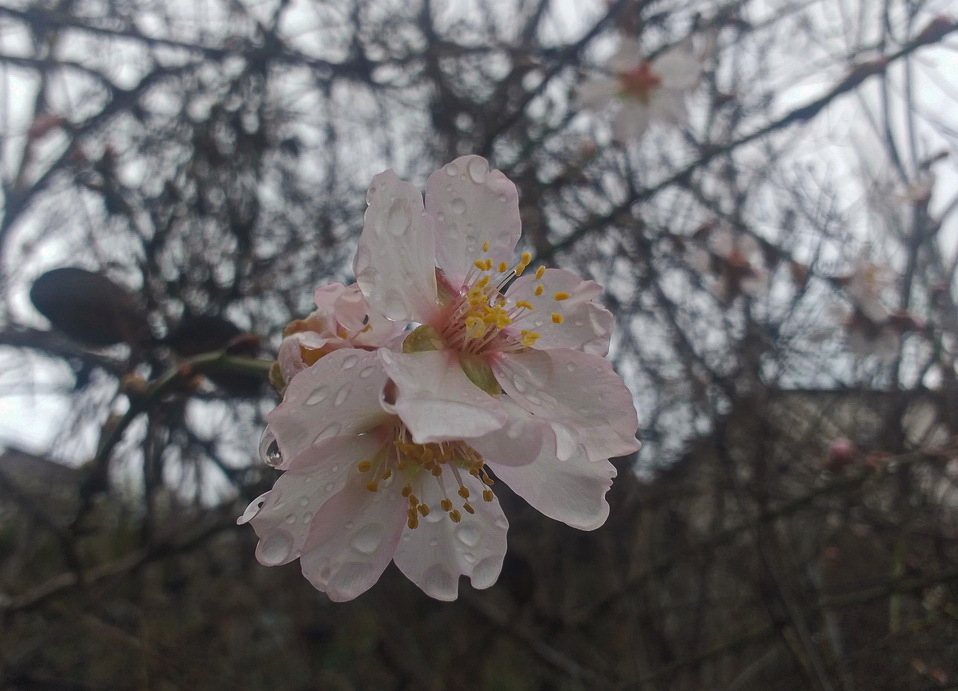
x=646, y=90
x=733, y=260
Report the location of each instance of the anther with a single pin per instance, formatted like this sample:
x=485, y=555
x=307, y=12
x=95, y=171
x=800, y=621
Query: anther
x=485, y=246
x=539, y=272
x=407, y=490
x=413, y=523
x=455, y=516
x=464, y=492
x=372, y=486
x=487, y=495
x=540, y=289
x=561, y=296
x=557, y=318
x=468, y=507
x=524, y=305
x=423, y=509
x=502, y=267
x=446, y=504
x=364, y=466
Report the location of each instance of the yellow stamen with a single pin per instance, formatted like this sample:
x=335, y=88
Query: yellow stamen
x=524, y=305
x=455, y=516
x=364, y=466
x=541, y=270
x=502, y=267
x=475, y=327
x=557, y=318
x=479, y=264
x=529, y=338
x=464, y=492
x=372, y=486
x=423, y=509
x=561, y=296
x=445, y=504
x=413, y=523
x=468, y=507
x=407, y=490
x=485, y=246
x=487, y=495
x=539, y=290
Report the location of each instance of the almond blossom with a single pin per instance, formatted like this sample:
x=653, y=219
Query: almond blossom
x=646, y=91
x=388, y=450
x=734, y=259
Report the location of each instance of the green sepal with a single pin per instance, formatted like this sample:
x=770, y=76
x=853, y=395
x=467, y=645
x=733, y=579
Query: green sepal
x=421, y=339
x=480, y=373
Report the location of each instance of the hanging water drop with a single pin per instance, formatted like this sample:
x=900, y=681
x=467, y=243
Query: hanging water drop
x=269, y=451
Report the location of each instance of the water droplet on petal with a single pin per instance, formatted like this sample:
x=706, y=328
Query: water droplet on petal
x=468, y=534
x=514, y=431
x=502, y=523
x=269, y=451
x=398, y=218
x=348, y=525
x=329, y=487
x=519, y=383
x=303, y=501
x=342, y=394
x=330, y=430
x=318, y=396
x=502, y=198
x=441, y=217
x=350, y=361
x=367, y=540
x=486, y=572
x=478, y=169
x=433, y=541
x=452, y=170
x=276, y=548
x=570, y=367
x=307, y=517
x=458, y=205
x=366, y=372
x=291, y=518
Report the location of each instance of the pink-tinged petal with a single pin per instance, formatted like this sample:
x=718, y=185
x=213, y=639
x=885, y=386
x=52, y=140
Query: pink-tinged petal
x=396, y=258
x=285, y=521
x=472, y=205
x=597, y=93
x=631, y=121
x=436, y=400
x=353, y=538
x=585, y=325
x=579, y=395
x=436, y=553
x=290, y=355
x=338, y=396
x=678, y=69
x=521, y=441
x=571, y=491
x=341, y=304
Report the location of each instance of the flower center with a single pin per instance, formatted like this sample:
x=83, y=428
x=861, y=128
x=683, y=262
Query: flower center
x=477, y=315
x=419, y=464
x=640, y=82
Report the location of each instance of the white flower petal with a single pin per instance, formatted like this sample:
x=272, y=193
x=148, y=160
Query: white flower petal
x=628, y=56
x=472, y=205
x=436, y=553
x=579, y=395
x=597, y=93
x=631, y=121
x=253, y=509
x=338, y=396
x=585, y=326
x=678, y=69
x=285, y=521
x=353, y=538
x=521, y=441
x=571, y=491
x=396, y=258
x=435, y=399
